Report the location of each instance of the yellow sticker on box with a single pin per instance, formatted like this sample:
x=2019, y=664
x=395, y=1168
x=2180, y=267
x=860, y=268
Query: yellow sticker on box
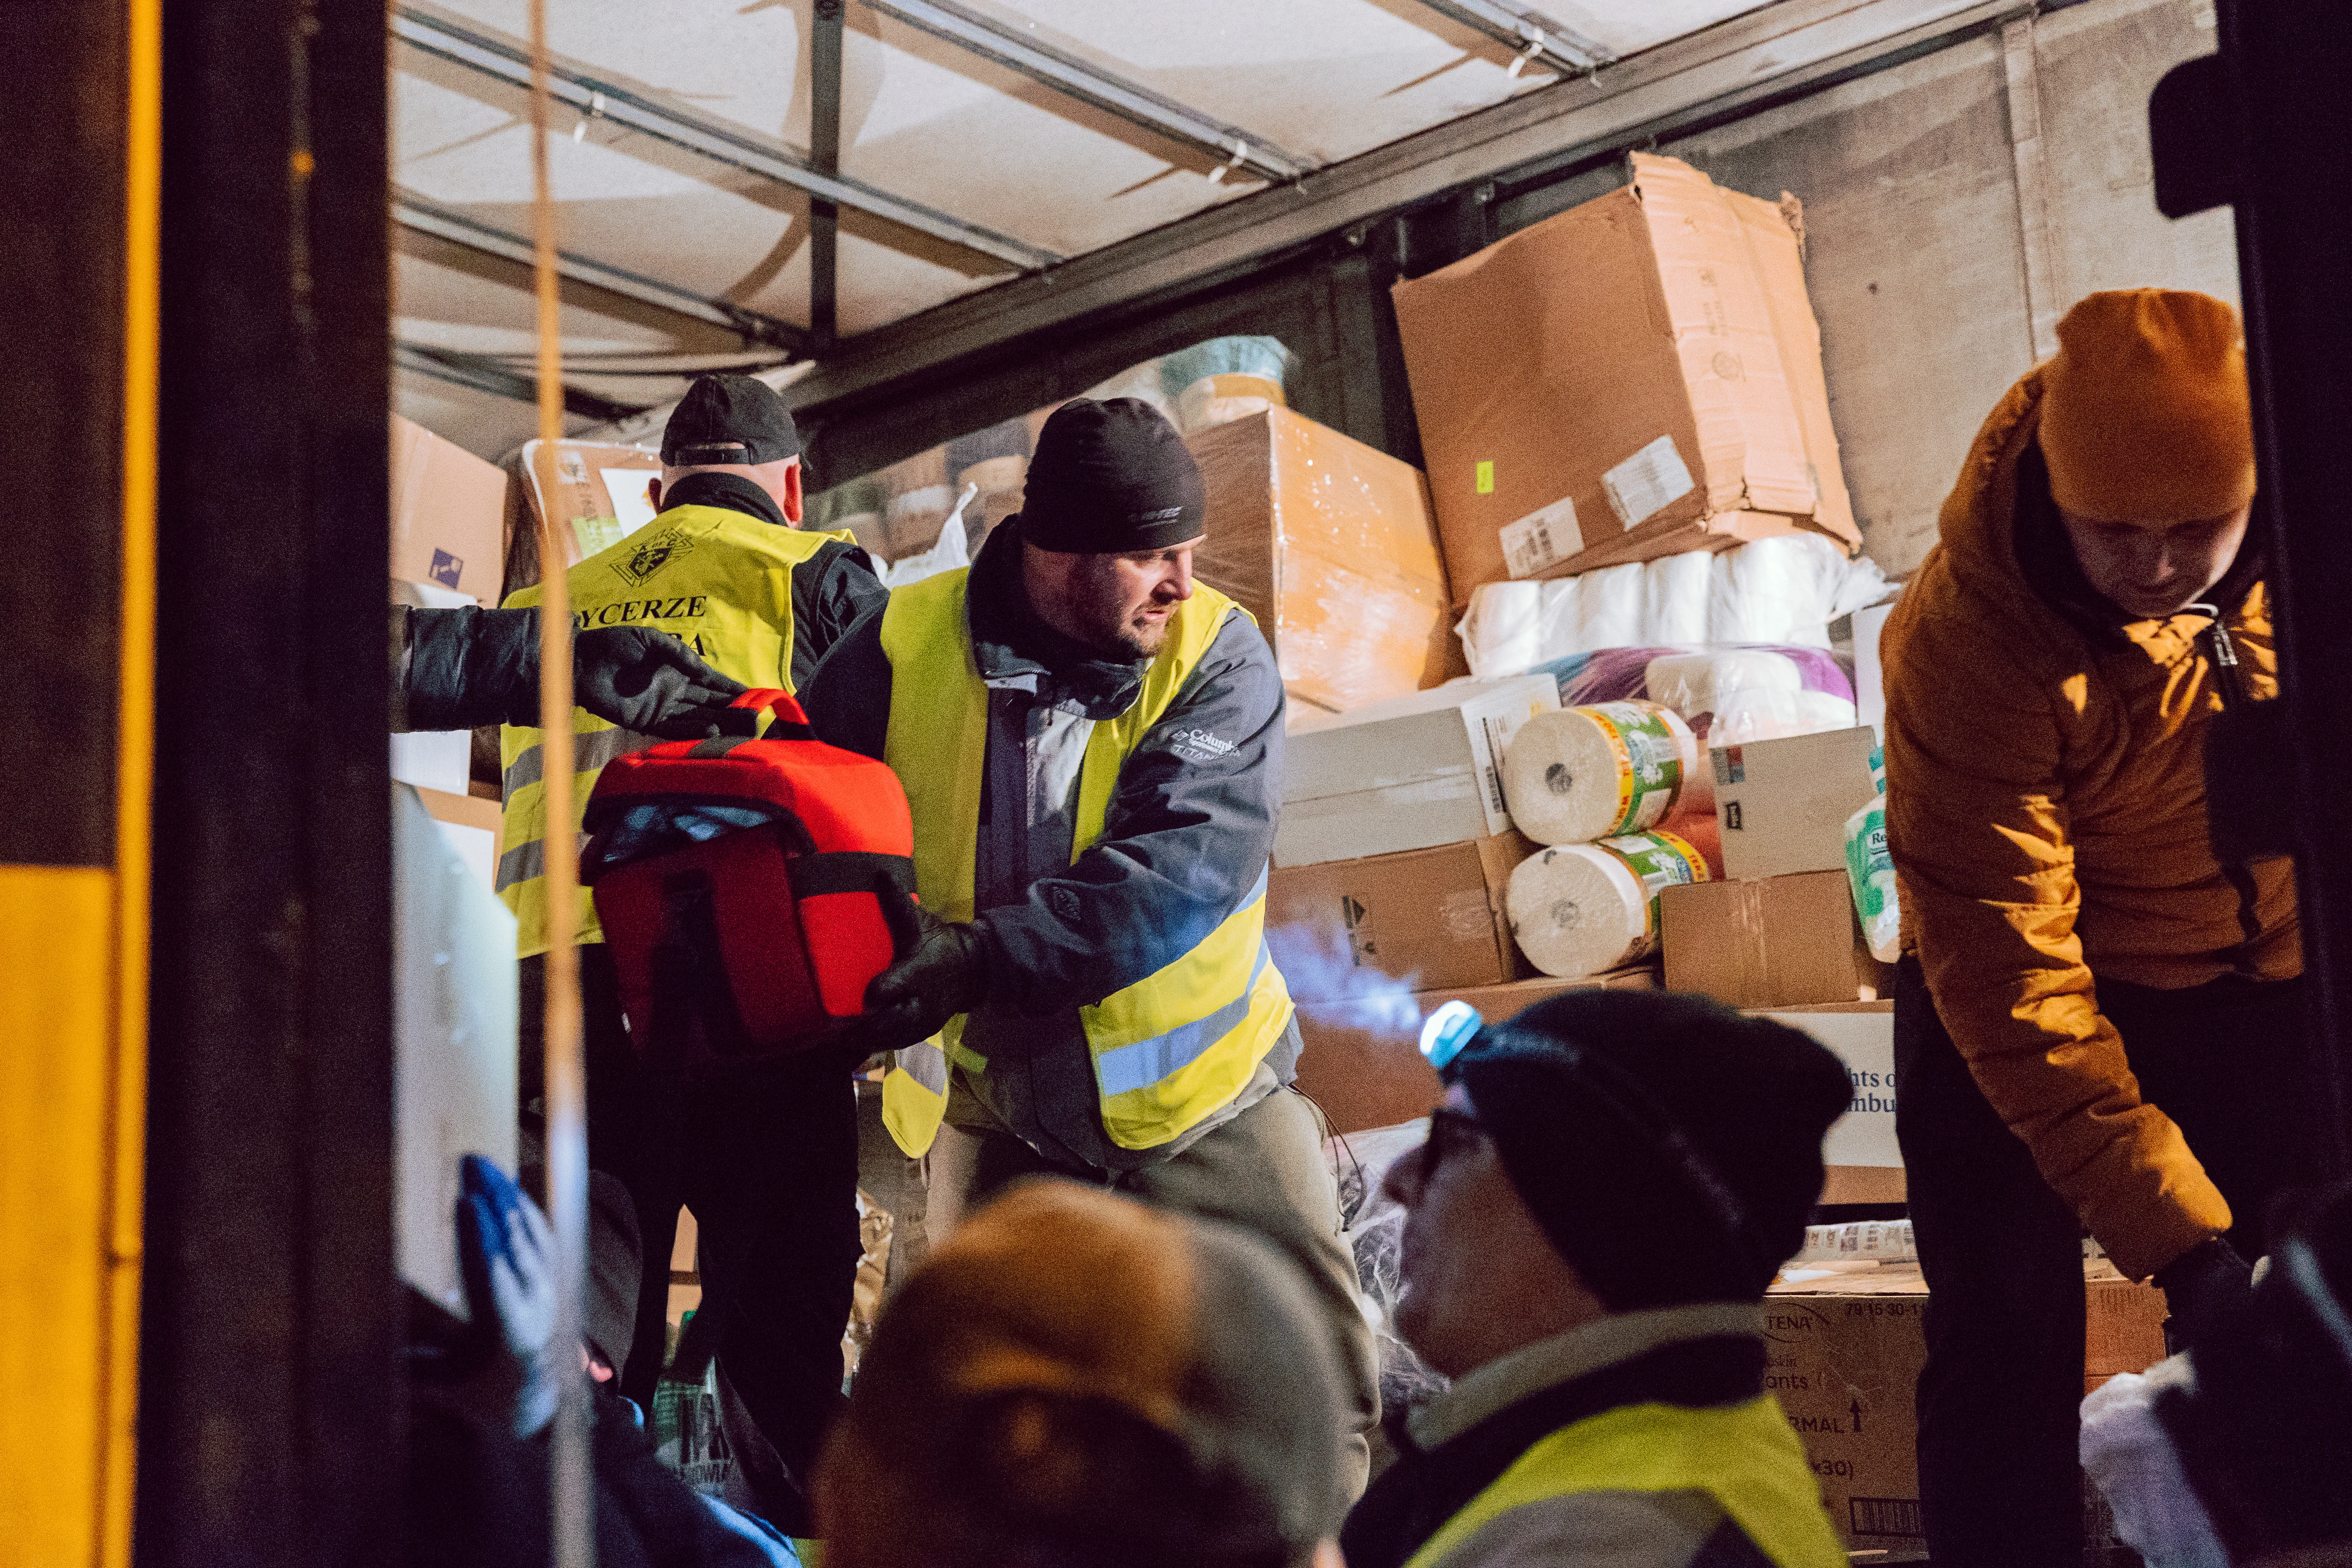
x=1487, y=477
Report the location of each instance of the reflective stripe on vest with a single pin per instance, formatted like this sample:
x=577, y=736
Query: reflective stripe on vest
x=1169, y=1051
x=720, y=580
x=1743, y=1456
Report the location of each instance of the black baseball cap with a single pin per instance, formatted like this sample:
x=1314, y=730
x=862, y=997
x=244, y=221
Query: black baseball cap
x=729, y=419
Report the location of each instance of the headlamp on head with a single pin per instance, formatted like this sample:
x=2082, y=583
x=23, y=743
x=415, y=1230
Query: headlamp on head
x=1447, y=1030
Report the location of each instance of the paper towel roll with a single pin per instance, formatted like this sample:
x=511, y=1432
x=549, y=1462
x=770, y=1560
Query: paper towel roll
x=1583, y=773
x=1585, y=909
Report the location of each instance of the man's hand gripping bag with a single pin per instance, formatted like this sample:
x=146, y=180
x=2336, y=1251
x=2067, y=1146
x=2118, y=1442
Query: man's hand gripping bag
x=748, y=888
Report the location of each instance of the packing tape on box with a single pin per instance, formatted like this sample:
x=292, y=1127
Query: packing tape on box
x=1583, y=774
x=1579, y=910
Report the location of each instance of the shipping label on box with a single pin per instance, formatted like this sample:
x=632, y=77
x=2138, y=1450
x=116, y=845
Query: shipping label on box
x=1781, y=805
x=1427, y=919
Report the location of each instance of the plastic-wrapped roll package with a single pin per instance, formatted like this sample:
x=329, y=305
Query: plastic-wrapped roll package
x=1783, y=591
x=1696, y=683
x=1585, y=774
x=1756, y=715
x=1585, y=909
x=1869, y=872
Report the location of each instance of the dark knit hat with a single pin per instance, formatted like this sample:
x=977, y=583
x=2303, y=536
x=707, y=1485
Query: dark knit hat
x=729, y=419
x=1670, y=1148
x=1111, y=478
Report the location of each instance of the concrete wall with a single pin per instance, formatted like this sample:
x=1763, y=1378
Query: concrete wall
x=1915, y=245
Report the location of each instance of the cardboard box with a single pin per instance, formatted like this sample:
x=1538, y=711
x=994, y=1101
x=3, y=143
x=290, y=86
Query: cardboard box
x=1782, y=805
x=1635, y=377
x=1861, y=1035
x=598, y=498
x=1410, y=773
x=448, y=514
x=1427, y=919
x=1781, y=941
x=1363, y=1062
x=1843, y=1356
x=471, y=827
x=1330, y=545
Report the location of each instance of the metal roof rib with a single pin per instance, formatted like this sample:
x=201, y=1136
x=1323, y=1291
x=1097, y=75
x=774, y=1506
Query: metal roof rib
x=1532, y=33
x=1065, y=72
x=486, y=374
x=658, y=115
x=443, y=223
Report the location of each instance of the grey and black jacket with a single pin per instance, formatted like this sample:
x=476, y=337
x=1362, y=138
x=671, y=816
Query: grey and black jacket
x=1186, y=838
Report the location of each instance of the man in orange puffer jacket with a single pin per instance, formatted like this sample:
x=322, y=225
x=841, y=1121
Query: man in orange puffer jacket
x=2097, y=1022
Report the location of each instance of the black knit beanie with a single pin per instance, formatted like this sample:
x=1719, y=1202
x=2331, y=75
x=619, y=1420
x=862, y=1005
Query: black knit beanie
x=1670, y=1148
x=1111, y=478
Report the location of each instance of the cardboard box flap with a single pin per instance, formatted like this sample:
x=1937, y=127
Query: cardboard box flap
x=1774, y=233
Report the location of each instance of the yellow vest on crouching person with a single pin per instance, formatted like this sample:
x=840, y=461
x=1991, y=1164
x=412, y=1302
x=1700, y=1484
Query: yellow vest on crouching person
x=1169, y=1051
x=1743, y=1456
x=720, y=580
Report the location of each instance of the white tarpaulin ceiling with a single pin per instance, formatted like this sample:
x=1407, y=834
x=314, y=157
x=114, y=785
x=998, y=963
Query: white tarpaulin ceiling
x=1006, y=170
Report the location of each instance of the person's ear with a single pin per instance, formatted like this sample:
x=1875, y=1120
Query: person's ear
x=792, y=494
x=653, y=491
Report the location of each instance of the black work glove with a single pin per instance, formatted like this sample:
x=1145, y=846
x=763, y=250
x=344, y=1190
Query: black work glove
x=941, y=976
x=2204, y=1286
x=649, y=681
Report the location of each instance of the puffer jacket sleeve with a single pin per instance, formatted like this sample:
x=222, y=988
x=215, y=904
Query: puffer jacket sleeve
x=1978, y=826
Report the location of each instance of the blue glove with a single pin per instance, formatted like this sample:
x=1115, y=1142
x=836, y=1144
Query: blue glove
x=506, y=1254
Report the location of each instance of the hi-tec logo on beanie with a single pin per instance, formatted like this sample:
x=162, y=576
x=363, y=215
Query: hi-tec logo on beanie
x=1111, y=478
x=729, y=419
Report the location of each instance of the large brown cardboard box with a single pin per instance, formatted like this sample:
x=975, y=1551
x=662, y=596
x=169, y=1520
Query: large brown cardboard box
x=1777, y=942
x=1635, y=377
x=594, y=491
x=448, y=514
x=1361, y=1059
x=1781, y=805
x=1843, y=1354
x=1330, y=545
x=1425, y=920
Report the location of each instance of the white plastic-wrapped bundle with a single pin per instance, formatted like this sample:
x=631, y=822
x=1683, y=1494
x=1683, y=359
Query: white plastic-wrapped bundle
x=1578, y=909
x=1606, y=607
x=1584, y=773
x=1696, y=683
x=1786, y=590
x=1677, y=594
x=1771, y=715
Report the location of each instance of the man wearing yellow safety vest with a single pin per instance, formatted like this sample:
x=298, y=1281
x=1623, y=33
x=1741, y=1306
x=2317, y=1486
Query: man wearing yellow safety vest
x=1612, y=1181
x=766, y=1156
x=1091, y=744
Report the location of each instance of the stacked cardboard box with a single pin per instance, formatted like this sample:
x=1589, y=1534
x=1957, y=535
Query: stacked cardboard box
x=1864, y=1162
x=1843, y=1352
x=1639, y=376
x=1779, y=931
x=1330, y=545
x=448, y=514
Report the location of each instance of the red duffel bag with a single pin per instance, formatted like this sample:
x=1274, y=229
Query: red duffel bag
x=748, y=887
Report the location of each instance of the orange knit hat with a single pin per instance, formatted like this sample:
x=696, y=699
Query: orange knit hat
x=2143, y=410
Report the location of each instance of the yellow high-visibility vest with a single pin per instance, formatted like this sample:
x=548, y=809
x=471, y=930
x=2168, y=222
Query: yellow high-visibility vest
x=720, y=580
x=1169, y=1051
x=1743, y=1456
